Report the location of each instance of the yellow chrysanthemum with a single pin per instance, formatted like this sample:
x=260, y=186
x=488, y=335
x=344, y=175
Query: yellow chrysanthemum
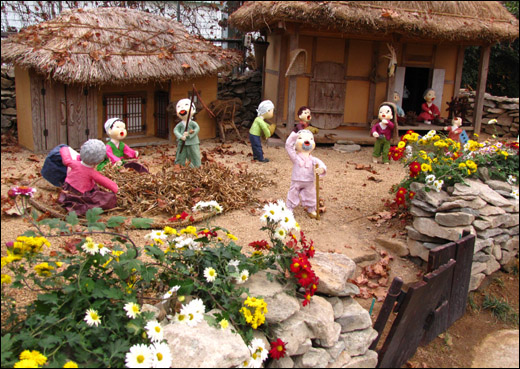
x=426, y=167
x=43, y=269
x=6, y=279
x=401, y=144
x=33, y=355
x=170, y=230
x=70, y=364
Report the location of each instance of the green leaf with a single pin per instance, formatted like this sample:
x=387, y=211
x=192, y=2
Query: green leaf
x=142, y=222
x=50, y=298
x=72, y=218
x=7, y=344
x=115, y=221
x=133, y=328
x=92, y=215
x=34, y=215
x=49, y=342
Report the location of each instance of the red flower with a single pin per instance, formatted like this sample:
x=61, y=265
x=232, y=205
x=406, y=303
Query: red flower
x=260, y=245
x=411, y=195
x=207, y=233
x=182, y=216
x=305, y=277
x=277, y=349
x=307, y=299
x=415, y=169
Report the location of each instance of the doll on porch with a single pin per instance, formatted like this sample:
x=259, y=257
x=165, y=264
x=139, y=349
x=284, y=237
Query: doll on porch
x=304, y=113
x=80, y=191
x=401, y=116
x=117, y=150
x=260, y=126
x=383, y=131
x=430, y=112
x=454, y=130
x=187, y=134
x=299, y=147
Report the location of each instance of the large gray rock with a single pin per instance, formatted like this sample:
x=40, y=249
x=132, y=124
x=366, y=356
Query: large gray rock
x=423, y=205
x=511, y=245
x=336, y=350
x=417, y=249
x=319, y=317
x=295, y=333
x=482, y=243
x=433, y=198
x=397, y=246
x=203, y=346
x=333, y=271
x=497, y=350
x=475, y=281
x=341, y=361
x=491, y=210
x=314, y=358
x=368, y=360
x=454, y=219
x=430, y=228
x=358, y=342
x=492, y=266
x=418, y=212
x=414, y=235
x=480, y=189
x=455, y=203
x=508, y=220
x=353, y=316
x=284, y=362
x=481, y=225
x=499, y=185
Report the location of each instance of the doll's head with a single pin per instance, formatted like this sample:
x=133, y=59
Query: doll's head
x=305, y=141
x=93, y=152
x=385, y=113
x=183, y=107
x=397, y=97
x=456, y=122
x=115, y=128
x=266, y=109
x=429, y=95
x=304, y=113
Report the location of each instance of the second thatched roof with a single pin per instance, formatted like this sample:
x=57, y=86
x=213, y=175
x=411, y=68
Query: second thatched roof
x=461, y=21
x=114, y=46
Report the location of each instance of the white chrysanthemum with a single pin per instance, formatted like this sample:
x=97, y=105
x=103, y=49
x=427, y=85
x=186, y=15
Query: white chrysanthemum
x=90, y=247
x=140, y=356
x=154, y=331
x=243, y=277
x=156, y=236
x=162, y=356
x=92, y=317
x=430, y=179
x=430, y=134
x=511, y=179
x=280, y=233
x=172, y=290
x=212, y=205
x=272, y=212
x=104, y=250
x=193, y=317
x=197, y=305
x=132, y=310
x=258, y=353
x=187, y=242
x=438, y=185
x=180, y=317
x=210, y=274
x=234, y=263
x=514, y=193
x=287, y=220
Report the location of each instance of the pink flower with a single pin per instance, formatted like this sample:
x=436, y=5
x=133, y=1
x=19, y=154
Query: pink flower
x=21, y=190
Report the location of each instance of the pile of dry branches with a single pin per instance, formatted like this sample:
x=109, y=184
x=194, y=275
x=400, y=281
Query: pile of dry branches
x=175, y=189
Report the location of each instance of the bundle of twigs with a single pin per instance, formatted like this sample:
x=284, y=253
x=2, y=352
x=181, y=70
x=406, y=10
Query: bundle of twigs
x=175, y=189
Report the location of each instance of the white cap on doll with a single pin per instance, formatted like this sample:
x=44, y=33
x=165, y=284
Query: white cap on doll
x=264, y=107
x=110, y=122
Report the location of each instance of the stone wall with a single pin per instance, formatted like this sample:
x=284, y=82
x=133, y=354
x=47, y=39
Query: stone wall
x=487, y=209
x=503, y=109
x=333, y=330
x=248, y=88
x=8, y=99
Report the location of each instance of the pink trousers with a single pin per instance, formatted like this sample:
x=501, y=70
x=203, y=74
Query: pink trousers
x=306, y=191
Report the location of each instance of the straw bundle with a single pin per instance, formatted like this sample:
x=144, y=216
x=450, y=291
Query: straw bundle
x=114, y=46
x=468, y=21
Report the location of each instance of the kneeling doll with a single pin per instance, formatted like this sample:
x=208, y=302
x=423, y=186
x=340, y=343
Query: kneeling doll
x=299, y=147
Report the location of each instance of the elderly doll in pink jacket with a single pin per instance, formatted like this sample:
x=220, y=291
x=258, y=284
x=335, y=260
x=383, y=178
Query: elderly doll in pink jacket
x=299, y=146
x=80, y=191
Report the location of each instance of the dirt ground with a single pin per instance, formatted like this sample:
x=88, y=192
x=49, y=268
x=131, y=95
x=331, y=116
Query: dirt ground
x=354, y=191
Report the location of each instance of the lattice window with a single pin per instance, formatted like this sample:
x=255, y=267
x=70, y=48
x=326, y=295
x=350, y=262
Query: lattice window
x=131, y=108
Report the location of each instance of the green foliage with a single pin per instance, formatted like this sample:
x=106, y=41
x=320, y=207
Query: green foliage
x=104, y=279
x=501, y=309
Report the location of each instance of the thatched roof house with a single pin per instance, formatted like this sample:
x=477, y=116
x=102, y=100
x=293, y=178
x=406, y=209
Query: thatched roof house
x=109, y=52
x=353, y=38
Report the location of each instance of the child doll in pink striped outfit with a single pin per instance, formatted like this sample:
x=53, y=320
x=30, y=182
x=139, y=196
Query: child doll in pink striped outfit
x=299, y=146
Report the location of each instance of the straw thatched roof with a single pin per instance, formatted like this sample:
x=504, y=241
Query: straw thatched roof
x=116, y=46
x=463, y=21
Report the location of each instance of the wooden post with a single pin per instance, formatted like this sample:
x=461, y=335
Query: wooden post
x=373, y=82
x=317, y=193
x=291, y=98
x=458, y=72
x=280, y=99
x=481, y=87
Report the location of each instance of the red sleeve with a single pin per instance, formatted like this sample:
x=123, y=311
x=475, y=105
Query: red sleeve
x=65, y=156
x=435, y=110
x=104, y=181
x=129, y=153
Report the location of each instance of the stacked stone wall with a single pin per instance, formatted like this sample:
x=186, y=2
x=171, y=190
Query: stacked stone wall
x=8, y=99
x=487, y=209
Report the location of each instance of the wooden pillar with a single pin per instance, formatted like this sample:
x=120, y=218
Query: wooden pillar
x=481, y=87
x=280, y=100
x=458, y=71
x=291, y=98
x=373, y=82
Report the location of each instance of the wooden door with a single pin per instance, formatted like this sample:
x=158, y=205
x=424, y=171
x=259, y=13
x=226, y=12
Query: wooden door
x=161, y=114
x=327, y=95
x=80, y=115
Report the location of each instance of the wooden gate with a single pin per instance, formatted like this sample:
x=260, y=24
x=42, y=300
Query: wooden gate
x=327, y=95
x=61, y=114
x=428, y=307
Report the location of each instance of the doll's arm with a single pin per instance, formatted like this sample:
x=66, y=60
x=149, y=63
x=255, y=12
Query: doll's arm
x=195, y=129
x=129, y=153
x=104, y=181
x=113, y=158
x=65, y=156
x=289, y=146
x=322, y=168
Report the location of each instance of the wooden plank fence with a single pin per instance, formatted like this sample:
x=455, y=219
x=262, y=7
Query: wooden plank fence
x=429, y=307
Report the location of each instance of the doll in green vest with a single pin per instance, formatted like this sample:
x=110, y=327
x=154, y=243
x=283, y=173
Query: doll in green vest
x=117, y=150
x=187, y=139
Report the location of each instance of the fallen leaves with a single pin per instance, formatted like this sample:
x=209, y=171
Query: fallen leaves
x=377, y=271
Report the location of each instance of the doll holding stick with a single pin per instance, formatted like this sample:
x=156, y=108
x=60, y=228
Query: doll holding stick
x=187, y=134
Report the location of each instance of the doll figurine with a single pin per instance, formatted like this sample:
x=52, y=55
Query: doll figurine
x=117, y=150
x=430, y=112
x=265, y=111
x=80, y=191
x=455, y=130
x=304, y=113
x=400, y=112
x=383, y=132
x=299, y=147
x=53, y=170
x=189, y=150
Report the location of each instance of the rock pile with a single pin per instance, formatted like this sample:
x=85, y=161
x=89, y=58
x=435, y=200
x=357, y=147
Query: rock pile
x=503, y=109
x=8, y=99
x=488, y=210
x=248, y=88
x=333, y=330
